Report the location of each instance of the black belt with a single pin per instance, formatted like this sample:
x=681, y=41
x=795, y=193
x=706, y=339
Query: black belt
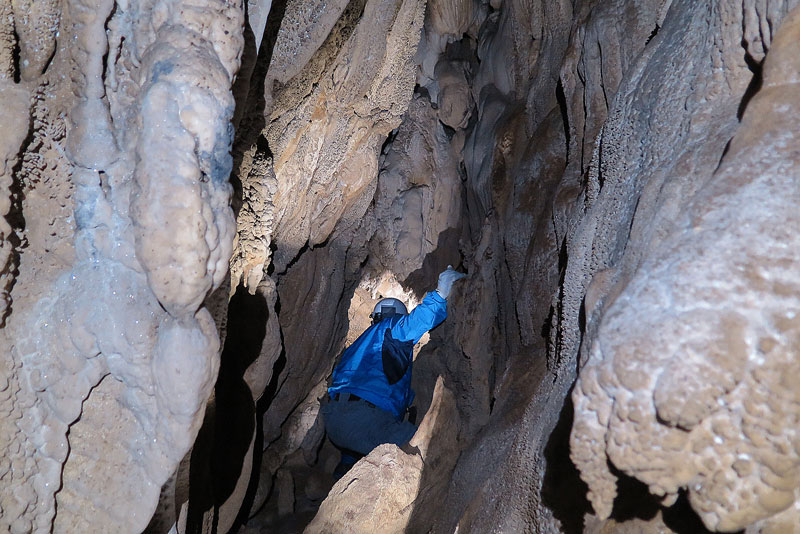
x=350, y=397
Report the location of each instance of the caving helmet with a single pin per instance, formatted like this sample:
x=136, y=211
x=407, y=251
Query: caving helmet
x=388, y=308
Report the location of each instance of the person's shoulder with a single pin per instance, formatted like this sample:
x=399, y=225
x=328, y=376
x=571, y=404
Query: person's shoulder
x=391, y=321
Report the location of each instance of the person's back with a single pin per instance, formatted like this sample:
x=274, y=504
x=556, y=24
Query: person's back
x=370, y=390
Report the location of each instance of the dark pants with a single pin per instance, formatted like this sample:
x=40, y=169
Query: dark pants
x=358, y=426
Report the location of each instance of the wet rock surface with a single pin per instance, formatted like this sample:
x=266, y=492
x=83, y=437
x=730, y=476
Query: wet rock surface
x=200, y=203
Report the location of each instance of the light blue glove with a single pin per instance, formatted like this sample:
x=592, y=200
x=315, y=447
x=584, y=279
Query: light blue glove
x=446, y=280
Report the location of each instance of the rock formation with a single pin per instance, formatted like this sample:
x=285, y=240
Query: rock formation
x=686, y=384
x=201, y=201
x=123, y=227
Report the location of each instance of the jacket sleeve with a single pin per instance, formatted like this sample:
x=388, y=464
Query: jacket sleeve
x=431, y=311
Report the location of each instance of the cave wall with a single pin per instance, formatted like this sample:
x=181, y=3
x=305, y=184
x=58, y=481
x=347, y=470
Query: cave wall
x=616, y=178
x=704, y=305
x=118, y=224
x=586, y=146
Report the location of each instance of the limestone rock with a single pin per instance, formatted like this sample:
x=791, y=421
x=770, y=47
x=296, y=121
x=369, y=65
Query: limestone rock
x=451, y=17
x=378, y=494
x=334, y=134
x=417, y=201
x=375, y=496
x=683, y=387
x=7, y=42
x=104, y=380
x=616, y=178
x=36, y=24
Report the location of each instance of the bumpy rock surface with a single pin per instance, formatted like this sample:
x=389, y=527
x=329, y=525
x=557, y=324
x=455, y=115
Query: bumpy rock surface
x=121, y=205
x=688, y=379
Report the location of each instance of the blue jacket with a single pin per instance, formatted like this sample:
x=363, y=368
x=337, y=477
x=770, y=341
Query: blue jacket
x=377, y=366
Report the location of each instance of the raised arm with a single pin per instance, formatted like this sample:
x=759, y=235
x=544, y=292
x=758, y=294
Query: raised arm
x=431, y=312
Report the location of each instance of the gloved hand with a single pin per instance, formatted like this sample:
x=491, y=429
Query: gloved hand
x=446, y=280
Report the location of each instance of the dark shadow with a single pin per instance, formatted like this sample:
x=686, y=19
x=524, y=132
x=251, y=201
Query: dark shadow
x=582, y=319
x=255, y=474
x=447, y=253
x=15, y=56
x=547, y=324
x=229, y=426
x=682, y=519
x=262, y=405
x=634, y=501
x=440, y=461
x=724, y=153
x=562, y=106
x=389, y=140
x=247, y=319
x=557, y=318
x=652, y=34
x=563, y=491
x=201, y=497
x=754, y=86
x=241, y=86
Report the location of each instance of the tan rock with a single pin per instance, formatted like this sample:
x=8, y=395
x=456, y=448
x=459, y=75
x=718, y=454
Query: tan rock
x=387, y=490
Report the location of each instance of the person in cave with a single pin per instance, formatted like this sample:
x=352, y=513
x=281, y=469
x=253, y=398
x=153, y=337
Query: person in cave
x=371, y=393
